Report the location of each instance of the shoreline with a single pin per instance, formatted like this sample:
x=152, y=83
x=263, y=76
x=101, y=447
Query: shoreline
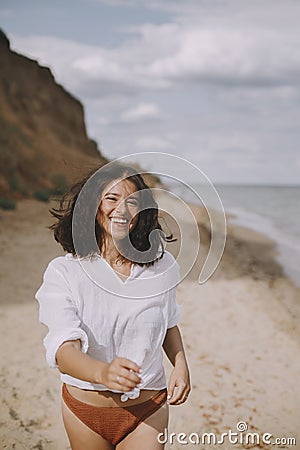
x=286, y=237
x=248, y=250
x=287, y=250
x=240, y=328
x=247, y=254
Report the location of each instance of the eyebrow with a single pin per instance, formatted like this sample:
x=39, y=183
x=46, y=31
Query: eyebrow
x=134, y=195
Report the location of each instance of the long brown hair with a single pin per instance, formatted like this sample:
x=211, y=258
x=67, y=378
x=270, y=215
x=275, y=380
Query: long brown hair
x=139, y=236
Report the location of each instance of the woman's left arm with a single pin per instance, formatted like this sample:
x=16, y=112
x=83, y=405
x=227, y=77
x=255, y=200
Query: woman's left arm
x=179, y=378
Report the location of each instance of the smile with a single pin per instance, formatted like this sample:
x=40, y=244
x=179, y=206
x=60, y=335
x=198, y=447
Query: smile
x=118, y=220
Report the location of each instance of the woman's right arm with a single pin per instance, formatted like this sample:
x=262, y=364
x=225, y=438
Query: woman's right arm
x=67, y=343
x=72, y=361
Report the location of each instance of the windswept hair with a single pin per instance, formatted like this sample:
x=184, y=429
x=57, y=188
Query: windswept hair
x=97, y=181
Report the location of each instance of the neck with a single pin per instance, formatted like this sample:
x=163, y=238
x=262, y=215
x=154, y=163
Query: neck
x=112, y=254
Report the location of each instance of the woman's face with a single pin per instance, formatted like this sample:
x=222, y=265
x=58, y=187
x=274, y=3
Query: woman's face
x=118, y=210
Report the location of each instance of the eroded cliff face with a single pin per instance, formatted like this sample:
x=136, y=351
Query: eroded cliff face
x=42, y=130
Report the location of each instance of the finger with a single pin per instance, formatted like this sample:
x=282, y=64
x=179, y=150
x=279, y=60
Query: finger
x=128, y=364
x=171, y=388
x=131, y=375
x=177, y=395
x=125, y=382
x=183, y=398
x=122, y=385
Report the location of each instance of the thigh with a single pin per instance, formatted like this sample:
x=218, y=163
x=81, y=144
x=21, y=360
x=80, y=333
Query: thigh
x=145, y=434
x=81, y=436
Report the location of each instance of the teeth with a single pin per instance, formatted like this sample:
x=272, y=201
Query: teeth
x=118, y=220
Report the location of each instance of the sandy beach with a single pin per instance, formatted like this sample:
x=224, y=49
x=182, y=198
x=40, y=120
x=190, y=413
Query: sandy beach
x=241, y=332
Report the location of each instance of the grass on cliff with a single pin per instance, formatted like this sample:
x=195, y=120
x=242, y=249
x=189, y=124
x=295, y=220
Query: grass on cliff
x=7, y=203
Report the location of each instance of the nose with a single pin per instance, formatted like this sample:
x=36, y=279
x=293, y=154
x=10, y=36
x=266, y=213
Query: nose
x=121, y=207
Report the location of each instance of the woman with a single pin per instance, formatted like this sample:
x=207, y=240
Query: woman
x=106, y=335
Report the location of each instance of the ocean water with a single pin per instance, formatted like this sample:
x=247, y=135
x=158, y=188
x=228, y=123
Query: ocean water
x=271, y=210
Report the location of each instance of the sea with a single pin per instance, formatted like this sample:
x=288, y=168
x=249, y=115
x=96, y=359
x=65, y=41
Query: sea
x=271, y=210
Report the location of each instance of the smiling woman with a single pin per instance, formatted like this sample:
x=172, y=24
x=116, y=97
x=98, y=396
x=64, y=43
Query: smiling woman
x=108, y=346
x=99, y=193
x=117, y=214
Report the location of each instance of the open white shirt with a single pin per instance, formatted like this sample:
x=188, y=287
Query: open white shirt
x=87, y=300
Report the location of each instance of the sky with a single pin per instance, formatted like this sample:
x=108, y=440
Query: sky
x=213, y=81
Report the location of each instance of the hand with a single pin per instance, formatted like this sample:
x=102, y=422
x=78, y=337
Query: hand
x=121, y=374
x=179, y=385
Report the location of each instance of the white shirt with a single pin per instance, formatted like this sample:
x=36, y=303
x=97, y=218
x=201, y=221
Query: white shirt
x=111, y=317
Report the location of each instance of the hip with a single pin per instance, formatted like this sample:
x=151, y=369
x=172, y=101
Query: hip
x=108, y=398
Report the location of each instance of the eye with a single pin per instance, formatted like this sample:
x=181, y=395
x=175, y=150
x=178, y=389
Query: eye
x=132, y=201
x=111, y=198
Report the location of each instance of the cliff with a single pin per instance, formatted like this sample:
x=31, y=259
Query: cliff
x=43, y=136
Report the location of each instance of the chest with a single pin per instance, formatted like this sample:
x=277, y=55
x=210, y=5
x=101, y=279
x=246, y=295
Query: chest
x=97, y=307
x=122, y=271
x=121, y=324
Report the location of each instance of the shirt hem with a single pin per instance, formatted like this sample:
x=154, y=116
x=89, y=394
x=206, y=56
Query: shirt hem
x=99, y=387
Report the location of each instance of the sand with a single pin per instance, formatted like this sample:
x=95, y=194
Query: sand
x=240, y=330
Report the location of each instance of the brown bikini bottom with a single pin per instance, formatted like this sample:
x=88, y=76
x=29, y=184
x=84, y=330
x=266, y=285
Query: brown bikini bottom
x=113, y=423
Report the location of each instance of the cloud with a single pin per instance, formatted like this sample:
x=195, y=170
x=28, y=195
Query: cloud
x=231, y=57
x=159, y=57
x=92, y=70
x=162, y=5
x=140, y=113
x=153, y=143
x=212, y=67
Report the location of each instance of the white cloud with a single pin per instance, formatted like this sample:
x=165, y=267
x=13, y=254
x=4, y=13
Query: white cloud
x=140, y=113
x=232, y=142
x=92, y=70
x=155, y=57
x=231, y=57
x=163, y=5
x=225, y=73
x=153, y=143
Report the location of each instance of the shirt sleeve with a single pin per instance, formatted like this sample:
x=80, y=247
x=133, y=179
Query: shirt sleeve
x=174, y=309
x=59, y=313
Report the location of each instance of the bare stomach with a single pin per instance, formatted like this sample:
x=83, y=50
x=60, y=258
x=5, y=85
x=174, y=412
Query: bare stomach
x=108, y=398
